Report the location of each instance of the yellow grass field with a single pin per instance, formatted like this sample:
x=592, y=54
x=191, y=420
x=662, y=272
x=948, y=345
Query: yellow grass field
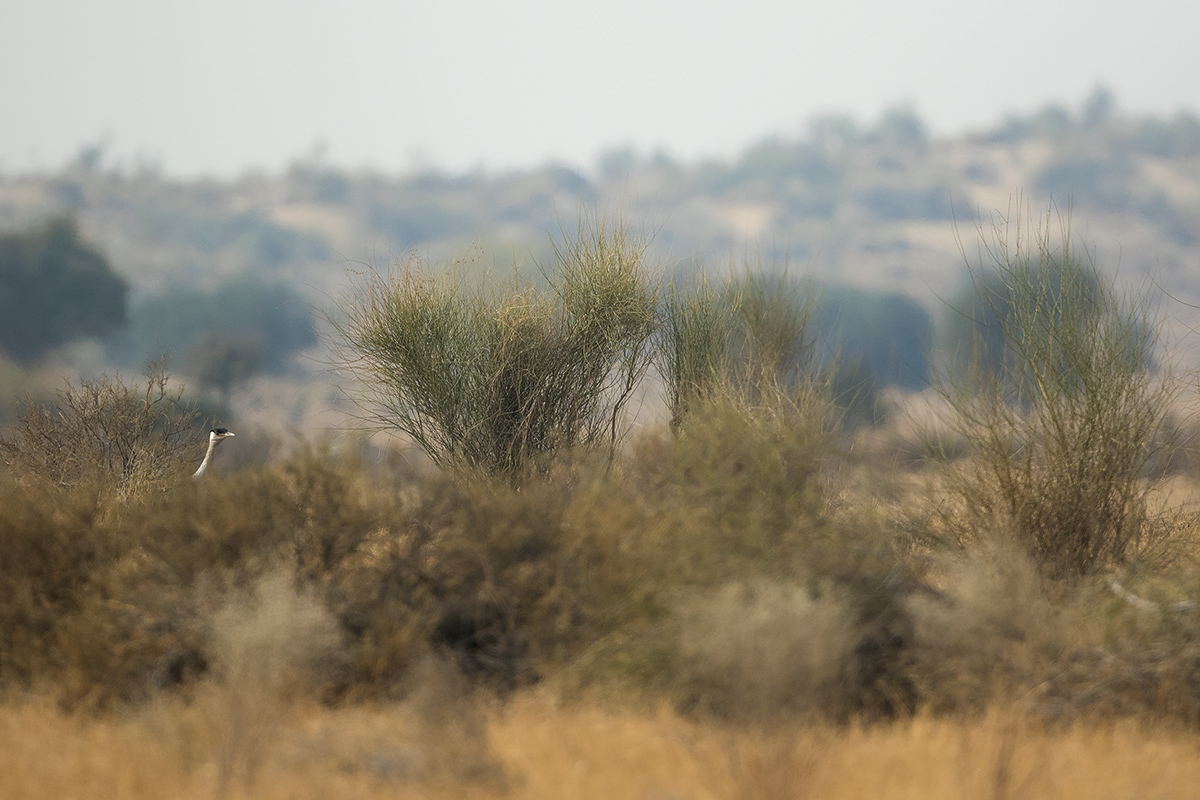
x=534, y=748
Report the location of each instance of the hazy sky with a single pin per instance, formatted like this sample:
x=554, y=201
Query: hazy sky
x=220, y=86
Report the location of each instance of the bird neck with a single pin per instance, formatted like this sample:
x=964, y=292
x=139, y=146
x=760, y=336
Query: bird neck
x=212, y=446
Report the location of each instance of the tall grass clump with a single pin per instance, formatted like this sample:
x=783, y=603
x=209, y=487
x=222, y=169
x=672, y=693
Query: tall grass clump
x=694, y=343
x=776, y=340
x=498, y=380
x=1062, y=421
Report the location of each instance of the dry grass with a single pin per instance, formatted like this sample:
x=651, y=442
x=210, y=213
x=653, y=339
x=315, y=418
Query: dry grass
x=534, y=748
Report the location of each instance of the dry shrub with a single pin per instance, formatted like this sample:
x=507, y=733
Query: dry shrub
x=997, y=628
x=273, y=639
x=775, y=764
x=47, y=552
x=268, y=645
x=724, y=564
x=110, y=605
x=766, y=649
x=445, y=712
x=729, y=494
x=1145, y=659
x=116, y=607
x=123, y=442
x=735, y=485
x=1001, y=631
x=737, y=505
x=1060, y=409
x=488, y=573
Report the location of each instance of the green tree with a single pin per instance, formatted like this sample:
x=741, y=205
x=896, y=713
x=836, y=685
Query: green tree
x=55, y=288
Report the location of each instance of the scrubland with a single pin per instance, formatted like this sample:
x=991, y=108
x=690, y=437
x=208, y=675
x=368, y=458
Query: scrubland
x=983, y=593
x=332, y=626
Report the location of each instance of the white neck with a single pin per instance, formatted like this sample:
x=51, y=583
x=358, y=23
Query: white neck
x=212, y=446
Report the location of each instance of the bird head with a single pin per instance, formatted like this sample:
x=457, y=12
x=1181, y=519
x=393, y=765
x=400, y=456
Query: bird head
x=216, y=435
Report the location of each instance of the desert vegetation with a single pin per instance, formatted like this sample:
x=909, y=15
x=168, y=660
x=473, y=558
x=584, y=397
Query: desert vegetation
x=751, y=594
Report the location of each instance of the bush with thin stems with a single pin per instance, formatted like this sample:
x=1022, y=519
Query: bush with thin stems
x=751, y=338
x=694, y=343
x=500, y=380
x=1062, y=426
x=776, y=343
x=126, y=440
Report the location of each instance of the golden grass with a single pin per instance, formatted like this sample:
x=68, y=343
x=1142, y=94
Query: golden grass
x=535, y=748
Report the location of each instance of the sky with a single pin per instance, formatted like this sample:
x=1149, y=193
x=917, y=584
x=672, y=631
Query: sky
x=225, y=86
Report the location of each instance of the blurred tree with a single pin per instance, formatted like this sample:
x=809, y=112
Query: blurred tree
x=243, y=326
x=901, y=128
x=1178, y=137
x=1108, y=183
x=834, y=134
x=884, y=335
x=907, y=202
x=617, y=162
x=55, y=288
x=1052, y=122
x=1098, y=108
x=984, y=320
x=220, y=362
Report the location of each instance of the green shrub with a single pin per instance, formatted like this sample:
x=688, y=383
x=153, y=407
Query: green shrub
x=694, y=343
x=750, y=339
x=500, y=381
x=775, y=342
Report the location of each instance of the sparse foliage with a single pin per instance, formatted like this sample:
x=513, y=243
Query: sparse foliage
x=122, y=439
x=1059, y=408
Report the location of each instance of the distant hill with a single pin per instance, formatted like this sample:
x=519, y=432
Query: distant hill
x=872, y=205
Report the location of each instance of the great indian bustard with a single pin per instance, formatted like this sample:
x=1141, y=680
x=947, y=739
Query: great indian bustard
x=215, y=437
